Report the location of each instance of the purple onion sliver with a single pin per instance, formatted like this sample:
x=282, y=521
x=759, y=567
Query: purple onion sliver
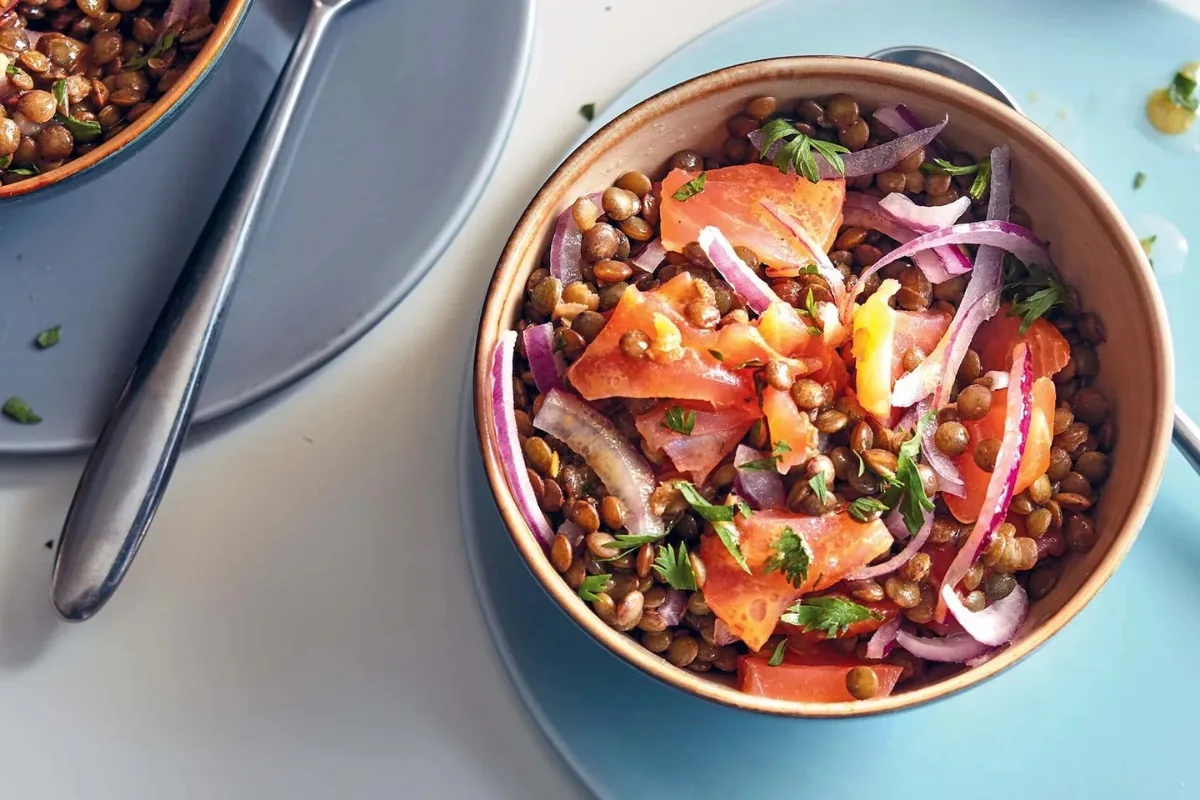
x=546, y=364
x=956, y=648
x=740, y=277
x=881, y=641
x=949, y=478
x=761, y=488
x=900, y=559
x=650, y=256
x=831, y=274
x=721, y=633
x=508, y=442
x=566, y=249
x=899, y=118
x=573, y=532
x=671, y=611
x=995, y=625
x=865, y=162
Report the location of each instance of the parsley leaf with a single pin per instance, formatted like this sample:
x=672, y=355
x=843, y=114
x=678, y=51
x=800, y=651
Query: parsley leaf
x=675, y=567
x=79, y=128
x=588, y=111
x=864, y=509
x=771, y=461
x=48, y=337
x=983, y=180
x=862, y=465
x=940, y=166
x=817, y=482
x=791, y=555
x=1139, y=180
x=1182, y=92
x=11, y=69
x=833, y=615
x=692, y=188
x=592, y=585
x=1032, y=294
x=18, y=410
x=680, y=421
x=59, y=90
x=810, y=306
x=1037, y=305
x=717, y=354
x=777, y=657
x=914, y=503
x=721, y=518
x=626, y=541
x=797, y=154
x=161, y=46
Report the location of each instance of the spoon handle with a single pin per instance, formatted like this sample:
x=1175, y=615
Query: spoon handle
x=1187, y=438
x=128, y=472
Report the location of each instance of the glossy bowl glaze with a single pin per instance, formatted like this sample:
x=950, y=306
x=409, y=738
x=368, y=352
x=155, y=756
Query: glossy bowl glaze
x=1094, y=248
x=143, y=130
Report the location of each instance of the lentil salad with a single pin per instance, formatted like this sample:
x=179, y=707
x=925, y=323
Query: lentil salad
x=74, y=73
x=778, y=422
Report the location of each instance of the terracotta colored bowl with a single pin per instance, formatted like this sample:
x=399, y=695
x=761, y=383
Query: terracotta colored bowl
x=143, y=130
x=1095, y=250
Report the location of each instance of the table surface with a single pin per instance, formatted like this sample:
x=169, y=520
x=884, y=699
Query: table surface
x=300, y=623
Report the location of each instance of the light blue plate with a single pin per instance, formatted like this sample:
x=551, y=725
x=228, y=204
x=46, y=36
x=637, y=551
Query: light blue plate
x=1106, y=709
x=406, y=112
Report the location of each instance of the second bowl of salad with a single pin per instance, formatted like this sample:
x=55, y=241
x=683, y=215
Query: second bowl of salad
x=797, y=386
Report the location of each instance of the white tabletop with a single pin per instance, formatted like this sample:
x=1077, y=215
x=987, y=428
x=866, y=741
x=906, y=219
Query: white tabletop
x=300, y=623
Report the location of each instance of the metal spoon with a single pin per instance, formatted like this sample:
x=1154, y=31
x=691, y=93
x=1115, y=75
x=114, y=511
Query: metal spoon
x=1185, y=434
x=128, y=472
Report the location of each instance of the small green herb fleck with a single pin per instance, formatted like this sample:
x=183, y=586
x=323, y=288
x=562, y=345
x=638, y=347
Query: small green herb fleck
x=983, y=180
x=1182, y=92
x=79, y=128
x=721, y=518
x=593, y=585
x=679, y=420
x=797, y=155
x=11, y=69
x=940, y=166
x=777, y=657
x=864, y=509
x=161, y=46
x=717, y=354
x=1139, y=180
x=791, y=555
x=810, y=306
x=60, y=92
x=675, y=567
x=17, y=409
x=692, y=188
x=1032, y=291
x=833, y=615
x=588, y=111
x=914, y=503
x=772, y=461
x=48, y=337
x=817, y=482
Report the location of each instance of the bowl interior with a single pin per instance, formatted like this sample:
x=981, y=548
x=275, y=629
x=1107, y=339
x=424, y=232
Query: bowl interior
x=1094, y=249
x=161, y=112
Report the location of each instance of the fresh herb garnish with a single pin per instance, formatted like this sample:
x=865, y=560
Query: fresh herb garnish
x=810, y=305
x=692, y=188
x=5, y=161
x=982, y=170
x=79, y=128
x=983, y=180
x=679, y=420
x=626, y=543
x=59, y=91
x=770, y=462
x=914, y=502
x=834, y=615
x=791, y=555
x=675, y=567
x=48, y=337
x=863, y=509
x=721, y=518
x=817, y=483
x=717, y=354
x=862, y=465
x=11, y=69
x=1032, y=291
x=17, y=409
x=1148, y=247
x=777, y=657
x=161, y=46
x=592, y=585
x=30, y=170
x=1182, y=92
x=1139, y=180
x=797, y=154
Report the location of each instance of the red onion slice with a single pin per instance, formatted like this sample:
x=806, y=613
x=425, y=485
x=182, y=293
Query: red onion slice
x=928, y=376
x=740, y=277
x=926, y=219
x=898, y=118
x=650, y=256
x=881, y=641
x=546, y=364
x=825, y=267
x=509, y=443
x=721, y=633
x=761, y=488
x=615, y=461
x=863, y=211
x=956, y=648
x=573, y=532
x=671, y=611
x=900, y=559
x=894, y=522
x=1004, y=478
x=566, y=247
x=995, y=625
x=949, y=478
x=865, y=162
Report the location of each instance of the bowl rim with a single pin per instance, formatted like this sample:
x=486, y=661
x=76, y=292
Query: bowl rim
x=1007, y=122
x=228, y=24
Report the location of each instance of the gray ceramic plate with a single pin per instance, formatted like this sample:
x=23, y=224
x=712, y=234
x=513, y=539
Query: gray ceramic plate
x=411, y=103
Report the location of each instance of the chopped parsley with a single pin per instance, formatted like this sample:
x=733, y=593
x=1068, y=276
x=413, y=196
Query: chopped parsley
x=59, y=90
x=863, y=509
x=798, y=154
x=680, y=421
x=717, y=354
x=791, y=555
x=817, y=484
x=692, y=188
x=625, y=543
x=914, y=502
x=777, y=657
x=833, y=615
x=675, y=567
x=11, y=69
x=1139, y=180
x=80, y=129
x=982, y=170
x=588, y=111
x=18, y=410
x=593, y=585
x=48, y=337
x=721, y=518
x=1182, y=92
x=161, y=46
x=771, y=462
x=1032, y=291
